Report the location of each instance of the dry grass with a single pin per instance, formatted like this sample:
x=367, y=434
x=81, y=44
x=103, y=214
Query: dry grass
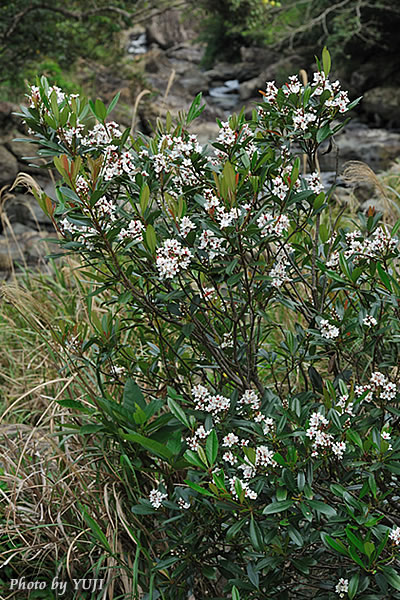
x=53, y=484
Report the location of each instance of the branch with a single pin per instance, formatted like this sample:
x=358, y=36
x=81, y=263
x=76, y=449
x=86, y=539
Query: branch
x=139, y=16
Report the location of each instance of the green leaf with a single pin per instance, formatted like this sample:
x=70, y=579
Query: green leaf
x=256, y=537
x=193, y=459
x=356, y=558
x=100, y=110
x=212, y=447
x=167, y=562
x=143, y=509
x=392, y=577
x=354, y=436
x=198, y=488
x=113, y=102
x=369, y=548
x=151, y=238
x=178, y=412
x=235, y=593
x=98, y=534
x=384, y=277
x=323, y=508
x=144, y=197
x=295, y=536
x=276, y=507
x=353, y=586
x=133, y=396
x=229, y=176
x=354, y=540
x=335, y=544
x=319, y=200
x=326, y=61
x=152, y=445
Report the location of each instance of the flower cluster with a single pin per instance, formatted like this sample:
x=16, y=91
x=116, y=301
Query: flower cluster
x=321, y=439
x=199, y=434
x=156, y=498
x=271, y=225
x=235, y=482
x=342, y=587
x=172, y=258
x=379, y=385
x=394, y=535
x=372, y=247
x=369, y=321
x=212, y=243
x=133, y=232
x=328, y=330
x=205, y=402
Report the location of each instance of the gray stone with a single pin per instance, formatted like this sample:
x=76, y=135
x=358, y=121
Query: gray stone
x=165, y=29
x=383, y=103
x=376, y=147
x=23, y=208
x=195, y=81
x=8, y=166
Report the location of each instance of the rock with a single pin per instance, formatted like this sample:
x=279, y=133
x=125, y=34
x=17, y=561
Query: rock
x=165, y=29
x=24, y=209
x=186, y=53
x=8, y=166
x=277, y=71
x=376, y=147
x=22, y=149
x=195, y=81
x=26, y=248
x=383, y=104
x=249, y=89
x=9, y=121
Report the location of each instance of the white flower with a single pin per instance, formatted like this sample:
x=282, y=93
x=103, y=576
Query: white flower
x=182, y=504
x=210, y=242
x=394, y=535
x=339, y=449
x=314, y=182
x=230, y=440
x=370, y=321
x=185, y=226
x=172, y=258
x=342, y=587
x=229, y=457
x=328, y=331
x=292, y=86
x=270, y=91
x=208, y=403
x=264, y=457
x=272, y=225
x=248, y=470
x=248, y=493
x=250, y=398
x=156, y=498
x=132, y=232
x=280, y=187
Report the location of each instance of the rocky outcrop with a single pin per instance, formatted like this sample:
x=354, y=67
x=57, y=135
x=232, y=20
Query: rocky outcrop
x=376, y=147
x=382, y=105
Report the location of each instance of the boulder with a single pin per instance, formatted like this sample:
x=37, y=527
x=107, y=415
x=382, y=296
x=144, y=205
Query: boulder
x=194, y=81
x=9, y=121
x=8, y=166
x=166, y=28
x=376, y=147
x=277, y=71
x=383, y=104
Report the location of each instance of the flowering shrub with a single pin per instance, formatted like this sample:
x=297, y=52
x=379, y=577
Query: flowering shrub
x=262, y=423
